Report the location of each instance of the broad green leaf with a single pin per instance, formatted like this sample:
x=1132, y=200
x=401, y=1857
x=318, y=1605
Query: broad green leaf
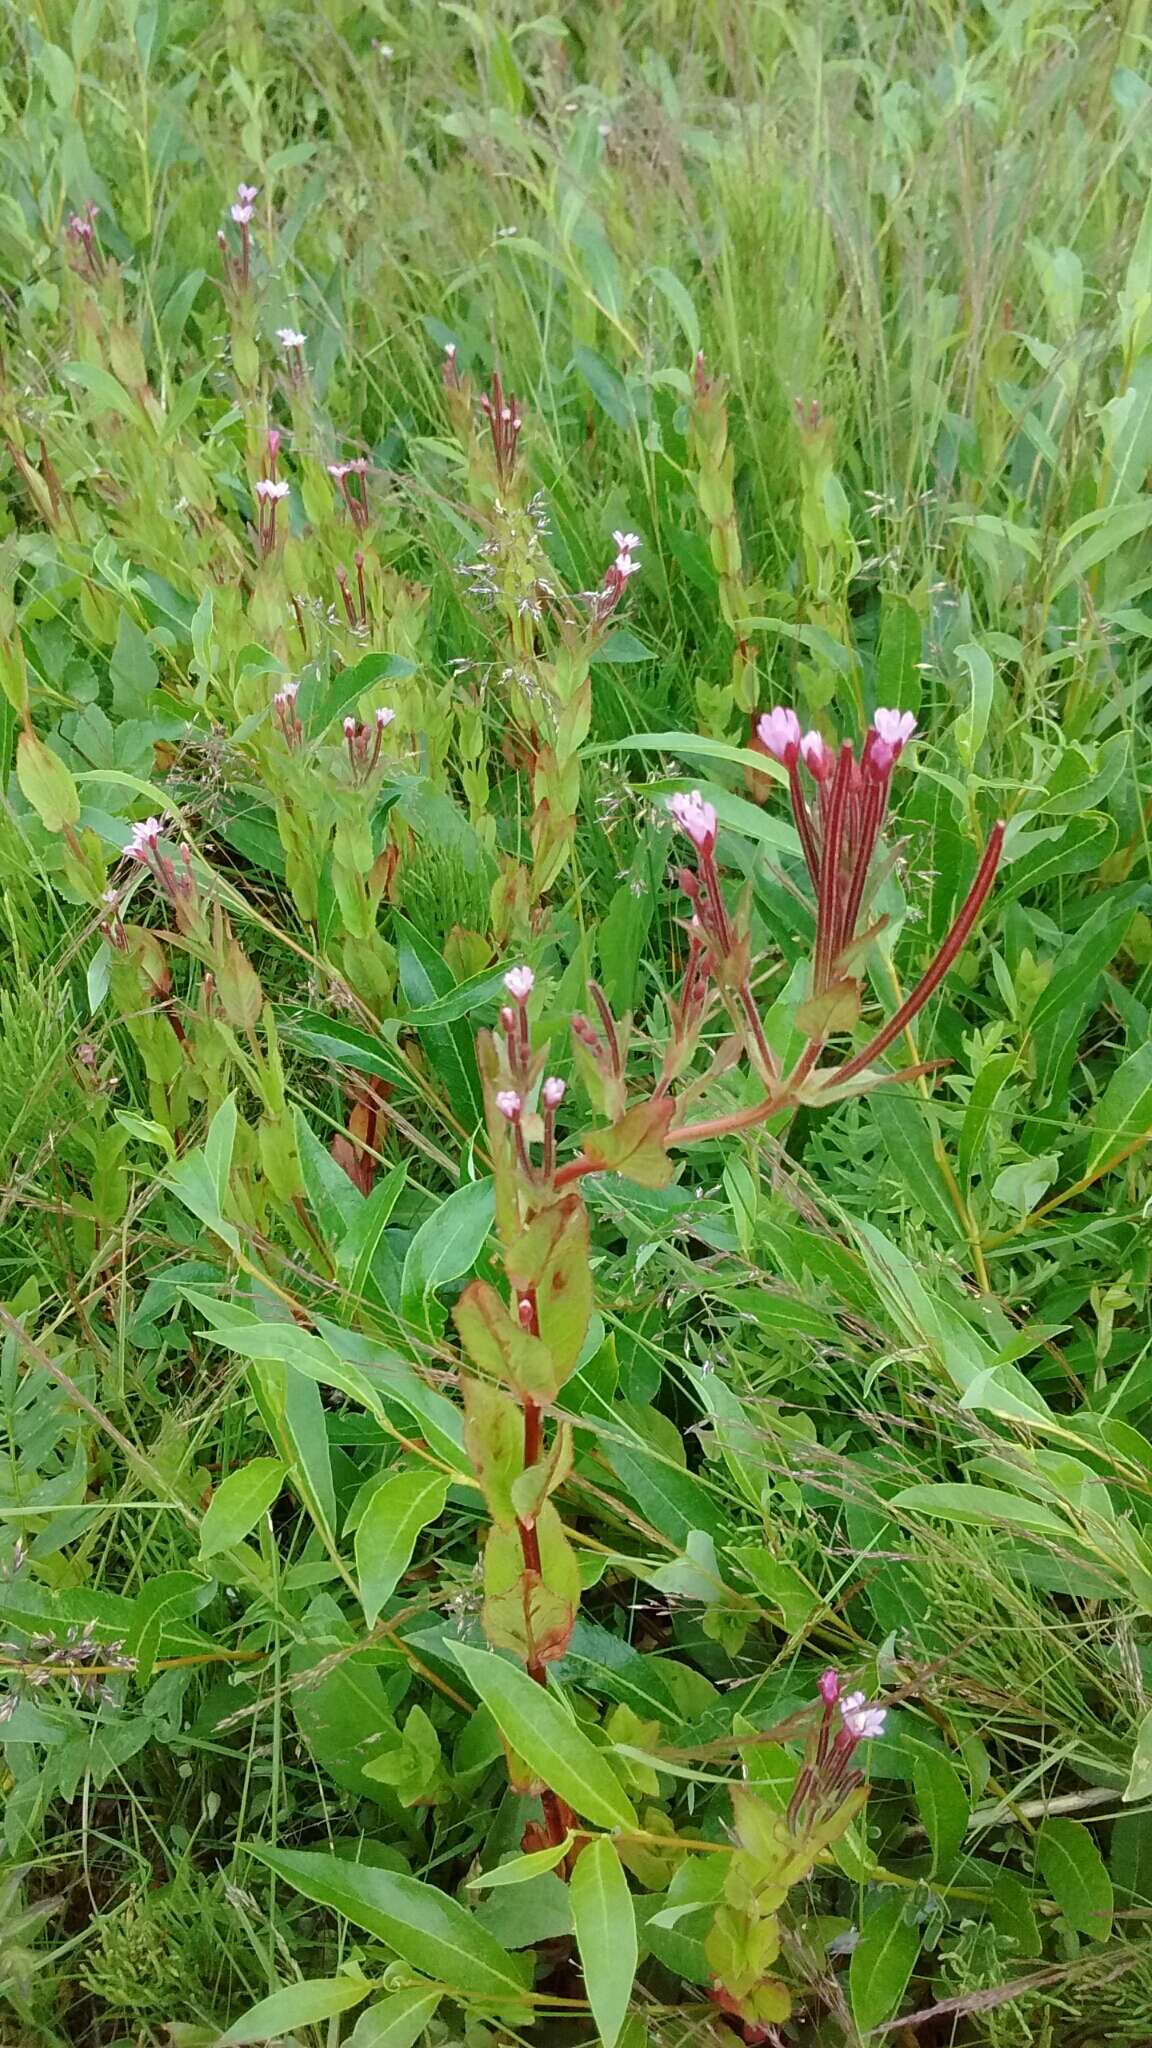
x=1139, y=1784
x=943, y=1804
x=521, y=1868
x=428, y=1928
x=981, y=1107
x=46, y=783
x=320, y=705
x=396, y=2022
x=238, y=1504
x=898, y=680
x=298, y=2005
x=398, y=1509
x=882, y=1961
x=543, y=1732
x=1124, y=1113
x=984, y=1507
x=604, y=1919
x=1073, y=1870
x=972, y=724
x=447, y=1244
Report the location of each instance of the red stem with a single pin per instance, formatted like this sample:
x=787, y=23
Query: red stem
x=930, y=981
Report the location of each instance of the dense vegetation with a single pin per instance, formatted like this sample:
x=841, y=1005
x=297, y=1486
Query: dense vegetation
x=550, y=1238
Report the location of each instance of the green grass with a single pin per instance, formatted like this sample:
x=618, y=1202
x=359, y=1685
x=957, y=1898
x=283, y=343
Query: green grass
x=914, y=246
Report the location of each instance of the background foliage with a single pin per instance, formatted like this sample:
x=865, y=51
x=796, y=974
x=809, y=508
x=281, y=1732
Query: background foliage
x=873, y=1390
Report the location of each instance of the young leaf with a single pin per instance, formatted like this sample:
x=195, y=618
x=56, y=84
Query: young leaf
x=521, y=1868
x=396, y=2022
x=882, y=1962
x=238, y=1504
x=46, y=783
x=298, y=2005
x=1124, y=1112
x=401, y=1506
x=534, y=1724
x=943, y=1804
x=605, y=1922
x=447, y=1245
x=425, y=1926
x=1073, y=1870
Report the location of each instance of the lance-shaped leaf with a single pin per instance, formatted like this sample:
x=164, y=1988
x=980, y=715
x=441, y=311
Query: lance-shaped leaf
x=497, y=1345
x=494, y=1441
x=636, y=1146
x=549, y=1262
x=525, y=1611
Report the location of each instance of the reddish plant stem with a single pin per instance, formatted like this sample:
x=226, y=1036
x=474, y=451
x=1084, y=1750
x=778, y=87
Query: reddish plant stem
x=930, y=981
x=803, y=819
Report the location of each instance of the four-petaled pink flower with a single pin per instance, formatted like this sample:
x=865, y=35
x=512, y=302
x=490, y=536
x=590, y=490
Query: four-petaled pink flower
x=817, y=756
x=384, y=717
x=779, y=733
x=241, y=215
x=246, y=193
x=553, y=1092
x=144, y=838
x=895, y=728
x=289, y=338
x=509, y=1104
x=696, y=818
x=270, y=490
x=520, y=982
x=625, y=567
x=626, y=542
x=862, y=1721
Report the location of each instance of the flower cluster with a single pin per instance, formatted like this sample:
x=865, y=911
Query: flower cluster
x=523, y=1074
x=364, y=742
x=828, y=1774
x=82, y=235
x=240, y=213
x=177, y=883
x=356, y=501
x=502, y=412
x=603, y=602
x=270, y=492
x=286, y=716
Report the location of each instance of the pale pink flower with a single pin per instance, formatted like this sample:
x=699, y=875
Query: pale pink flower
x=246, y=193
x=779, y=733
x=270, y=490
x=384, y=718
x=349, y=728
x=828, y=1687
x=144, y=839
x=696, y=818
x=520, y=982
x=626, y=542
x=817, y=756
x=553, y=1092
x=895, y=728
x=509, y=1104
x=863, y=1722
x=339, y=470
x=241, y=215
x=289, y=338
x=625, y=566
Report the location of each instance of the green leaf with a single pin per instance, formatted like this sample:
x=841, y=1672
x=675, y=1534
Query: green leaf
x=1139, y=1784
x=898, y=681
x=689, y=746
x=132, y=670
x=972, y=724
x=943, y=1803
x=906, y=1126
x=46, y=784
x=319, y=705
x=984, y=1507
x=395, y=2022
x=447, y=1245
x=604, y=1919
x=1073, y=1870
x=1124, y=1113
x=298, y=2005
x=238, y=1504
x=521, y=1868
x=398, y=1509
x=542, y=1731
x=882, y=1962
x=426, y=1927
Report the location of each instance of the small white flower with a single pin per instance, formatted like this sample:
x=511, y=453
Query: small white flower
x=520, y=982
x=289, y=338
x=553, y=1092
x=509, y=1104
x=349, y=728
x=270, y=490
x=246, y=193
x=626, y=542
x=862, y=1721
x=241, y=215
x=625, y=566
x=895, y=728
x=694, y=817
x=384, y=718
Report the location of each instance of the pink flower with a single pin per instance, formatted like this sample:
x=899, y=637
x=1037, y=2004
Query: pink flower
x=626, y=542
x=450, y=351
x=520, y=982
x=349, y=728
x=817, y=756
x=862, y=1721
x=270, y=490
x=241, y=215
x=339, y=470
x=895, y=728
x=384, y=718
x=289, y=338
x=696, y=818
x=553, y=1092
x=509, y=1104
x=779, y=733
x=144, y=839
x=625, y=566
x=828, y=1687
x=246, y=193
